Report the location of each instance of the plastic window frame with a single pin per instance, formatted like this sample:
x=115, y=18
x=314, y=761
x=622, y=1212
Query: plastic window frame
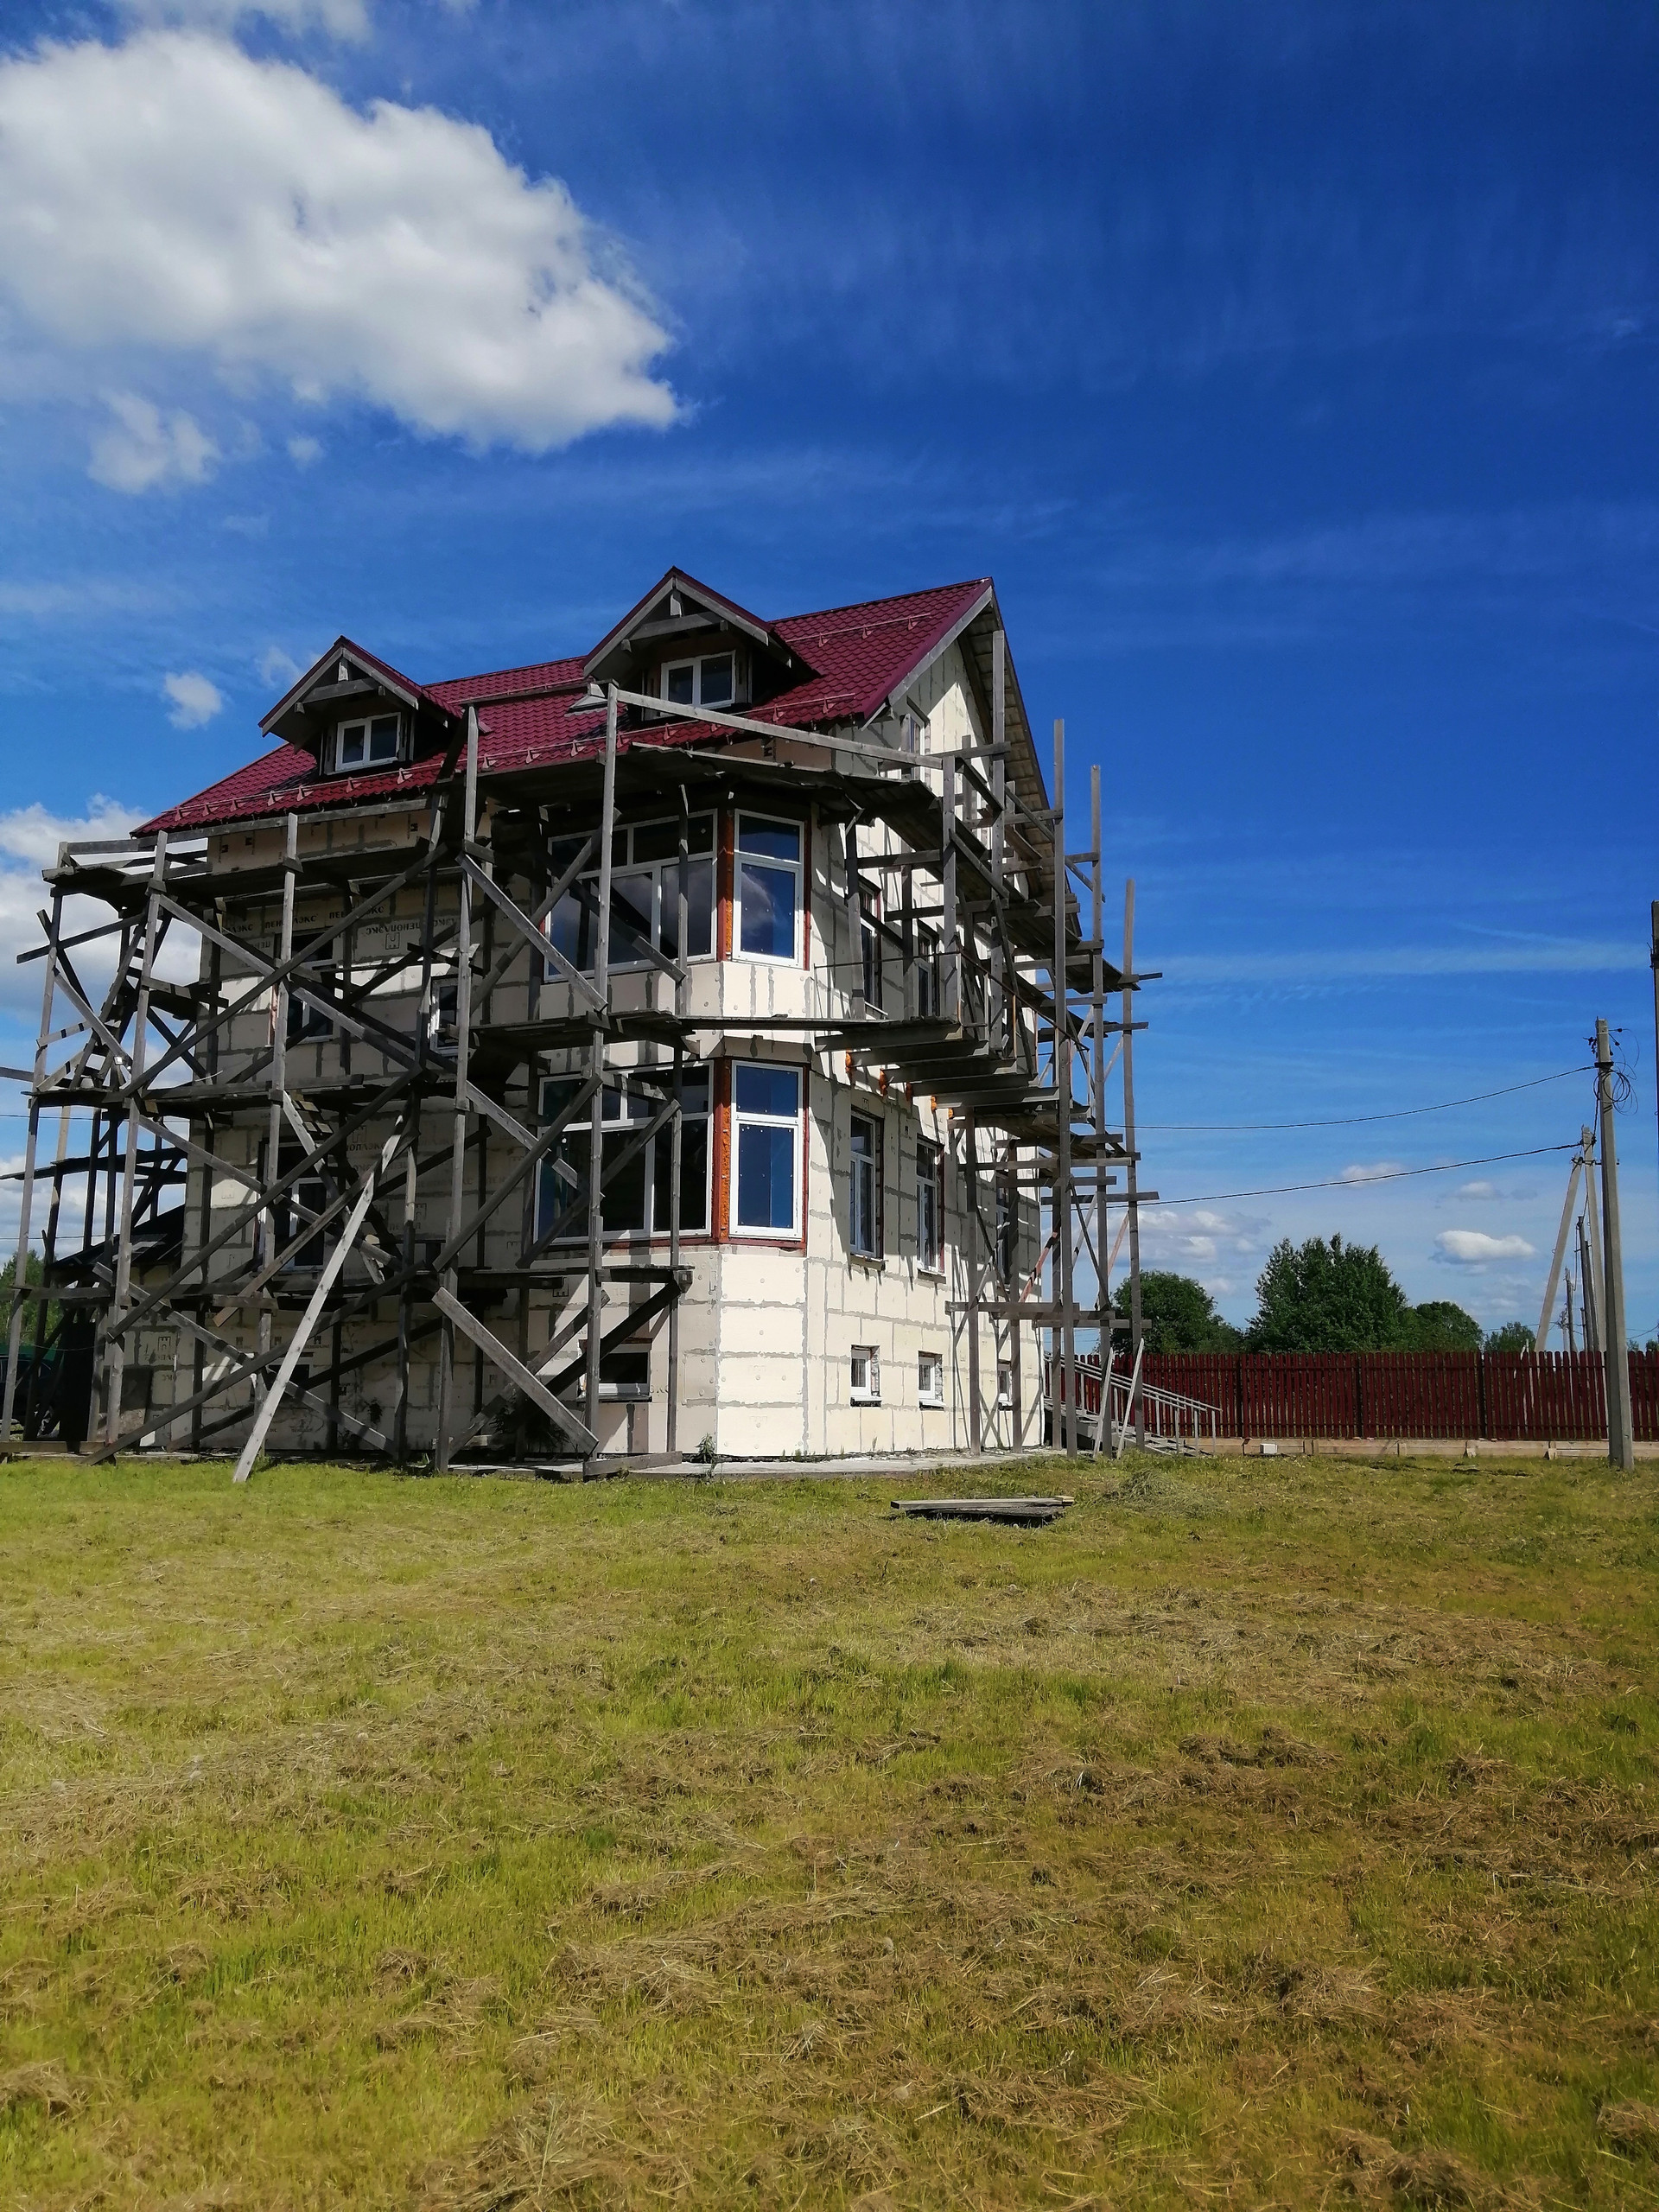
x=740, y=815
x=365, y=722
x=770, y=1233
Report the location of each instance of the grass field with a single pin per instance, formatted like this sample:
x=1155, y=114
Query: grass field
x=1261, y=1833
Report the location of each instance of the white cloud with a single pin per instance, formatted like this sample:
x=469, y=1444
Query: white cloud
x=1369, y=1171
x=143, y=447
x=195, y=701
x=1478, y=1190
x=280, y=668
x=175, y=193
x=304, y=452
x=343, y=18
x=1473, y=1248
x=30, y=837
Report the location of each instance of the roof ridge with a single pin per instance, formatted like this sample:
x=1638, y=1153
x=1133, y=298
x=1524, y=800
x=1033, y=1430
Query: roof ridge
x=889, y=599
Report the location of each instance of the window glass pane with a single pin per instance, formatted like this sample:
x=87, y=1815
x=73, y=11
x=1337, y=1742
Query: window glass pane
x=561, y=853
x=717, y=680
x=383, y=738
x=694, y=1175
x=569, y=927
x=631, y=898
x=656, y=841
x=777, y=840
x=863, y=1138
x=766, y=1177
x=700, y=910
x=622, y=1202
x=762, y=1090
x=351, y=745
x=677, y=684
x=766, y=896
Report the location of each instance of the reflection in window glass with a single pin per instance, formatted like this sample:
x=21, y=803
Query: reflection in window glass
x=768, y=888
x=644, y=896
x=636, y=1200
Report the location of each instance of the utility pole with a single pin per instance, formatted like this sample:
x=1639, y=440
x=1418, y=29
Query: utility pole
x=1621, y=1442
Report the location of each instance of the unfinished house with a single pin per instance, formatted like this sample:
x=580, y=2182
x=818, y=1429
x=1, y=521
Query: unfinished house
x=698, y=1045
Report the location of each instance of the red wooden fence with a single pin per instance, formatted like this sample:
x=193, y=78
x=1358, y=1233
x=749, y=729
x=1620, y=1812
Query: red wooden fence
x=1522, y=1397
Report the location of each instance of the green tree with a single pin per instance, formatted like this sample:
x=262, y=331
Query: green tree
x=1440, y=1325
x=1514, y=1336
x=32, y=1274
x=1178, y=1314
x=1327, y=1296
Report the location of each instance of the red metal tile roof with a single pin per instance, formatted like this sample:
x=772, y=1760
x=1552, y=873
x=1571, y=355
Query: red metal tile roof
x=527, y=717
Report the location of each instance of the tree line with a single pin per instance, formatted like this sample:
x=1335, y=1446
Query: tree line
x=1322, y=1295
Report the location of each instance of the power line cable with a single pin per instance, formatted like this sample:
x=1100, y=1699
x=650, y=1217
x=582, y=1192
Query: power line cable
x=1350, y=1120
x=1359, y=1182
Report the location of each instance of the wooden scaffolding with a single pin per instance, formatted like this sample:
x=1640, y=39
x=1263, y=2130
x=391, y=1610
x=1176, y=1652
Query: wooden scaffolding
x=222, y=1200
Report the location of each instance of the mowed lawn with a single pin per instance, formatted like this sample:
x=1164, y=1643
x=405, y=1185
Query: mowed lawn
x=1261, y=1833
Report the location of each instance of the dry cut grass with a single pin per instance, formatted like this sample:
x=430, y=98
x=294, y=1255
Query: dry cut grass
x=1274, y=1833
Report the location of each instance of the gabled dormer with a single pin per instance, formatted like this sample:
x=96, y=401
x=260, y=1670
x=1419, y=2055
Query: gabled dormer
x=689, y=647
x=356, y=715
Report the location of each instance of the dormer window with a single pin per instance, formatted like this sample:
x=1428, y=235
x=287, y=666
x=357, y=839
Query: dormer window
x=376, y=743
x=709, y=680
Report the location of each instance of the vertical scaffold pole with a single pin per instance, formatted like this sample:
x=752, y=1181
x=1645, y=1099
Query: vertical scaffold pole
x=602, y=985
x=1621, y=1429
x=20, y=1272
x=116, y=1355
x=1097, y=1074
x=1131, y=1178
x=970, y=1231
x=463, y=1040
x=1066, y=1320
x=676, y=1129
x=278, y=1074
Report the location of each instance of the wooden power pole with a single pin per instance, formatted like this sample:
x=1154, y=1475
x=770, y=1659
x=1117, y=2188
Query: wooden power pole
x=1621, y=1436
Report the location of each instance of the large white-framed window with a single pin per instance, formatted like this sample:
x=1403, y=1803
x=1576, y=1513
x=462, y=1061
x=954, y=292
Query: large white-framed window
x=644, y=895
x=864, y=1189
x=930, y=1205
x=930, y=1378
x=767, y=922
x=376, y=741
x=866, y=1375
x=636, y=1198
x=766, y=1149
x=709, y=680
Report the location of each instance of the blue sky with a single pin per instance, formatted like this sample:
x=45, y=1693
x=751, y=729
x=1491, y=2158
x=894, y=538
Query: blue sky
x=1290, y=367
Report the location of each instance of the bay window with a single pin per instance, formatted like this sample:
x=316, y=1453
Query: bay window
x=635, y=1201
x=768, y=889
x=766, y=1149
x=644, y=896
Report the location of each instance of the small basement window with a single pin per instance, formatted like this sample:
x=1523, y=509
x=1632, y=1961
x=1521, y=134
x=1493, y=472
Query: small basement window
x=376, y=743
x=867, y=1376
x=930, y=1378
